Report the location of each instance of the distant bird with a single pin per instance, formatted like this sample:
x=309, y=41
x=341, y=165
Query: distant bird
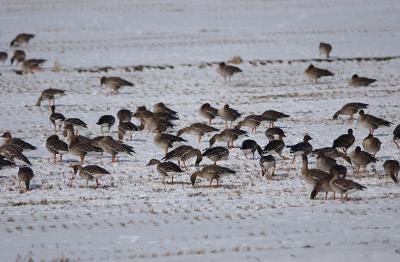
x=184, y=153
x=81, y=147
x=212, y=172
x=19, y=57
x=21, y=144
x=56, y=147
x=315, y=73
x=166, y=141
x=325, y=49
x=197, y=129
x=106, y=121
x=21, y=39
x=345, y=141
x=76, y=123
x=226, y=71
x=3, y=57
x=208, y=112
x=228, y=135
x=114, y=147
x=344, y=186
x=301, y=148
x=163, y=109
x=90, y=172
x=50, y=94
x=124, y=115
x=274, y=133
x=166, y=169
x=215, y=154
x=372, y=122
x=371, y=144
x=392, y=169
x=267, y=163
x=396, y=136
x=31, y=66
x=350, y=109
x=12, y=152
x=357, y=81
x=275, y=146
x=251, y=121
x=360, y=159
x=25, y=175
x=228, y=114
x=272, y=116
x=115, y=83
x=126, y=128
x=56, y=118
x=250, y=147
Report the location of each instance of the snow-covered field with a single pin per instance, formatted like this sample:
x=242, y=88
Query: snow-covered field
x=248, y=218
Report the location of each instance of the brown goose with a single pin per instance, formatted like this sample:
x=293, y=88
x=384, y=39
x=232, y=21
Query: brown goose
x=166, y=169
x=163, y=109
x=250, y=146
x=166, y=141
x=25, y=175
x=114, y=147
x=350, y=109
x=228, y=135
x=50, y=94
x=57, y=119
x=372, y=122
x=357, y=81
x=324, y=162
x=9, y=140
x=215, y=154
x=12, y=152
x=371, y=144
x=272, y=116
x=19, y=57
x=184, y=153
x=251, y=121
x=392, y=169
x=197, y=129
x=343, y=186
x=21, y=39
x=31, y=66
x=126, y=128
x=344, y=141
x=226, y=71
x=361, y=159
x=124, y=115
x=315, y=73
x=325, y=49
x=208, y=112
x=90, y=172
x=333, y=153
x=56, y=147
x=211, y=172
x=81, y=147
x=115, y=83
x=228, y=114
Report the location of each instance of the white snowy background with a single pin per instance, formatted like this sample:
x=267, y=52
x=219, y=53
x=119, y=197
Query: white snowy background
x=248, y=218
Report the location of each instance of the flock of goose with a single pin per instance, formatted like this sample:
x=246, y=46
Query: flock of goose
x=327, y=176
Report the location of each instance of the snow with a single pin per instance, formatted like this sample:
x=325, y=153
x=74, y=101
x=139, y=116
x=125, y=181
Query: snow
x=248, y=217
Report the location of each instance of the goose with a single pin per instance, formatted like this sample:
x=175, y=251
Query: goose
x=267, y=163
x=126, y=128
x=228, y=114
x=274, y=133
x=372, y=122
x=166, y=141
x=208, y=112
x=3, y=57
x=31, y=66
x=371, y=144
x=301, y=148
x=19, y=57
x=325, y=49
x=76, y=123
x=215, y=154
x=106, y=121
x=211, y=172
x=115, y=83
x=227, y=135
x=197, y=129
x=21, y=39
x=50, y=94
x=12, y=152
x=315, y=73
x=57, y=119
x=227, y=71
x=166, y=169
x=272, y=116
x=392, y=169
x=357, y=81
x=56, y=147
x=163, y=109
x=90, y=172
x=275, y=146
x=25, y=175
x=350, y=109
x=251, y=121
x=344, y=186
x=361, y=158
x=396, y=136
x=114, y=147
x=344, y=141
x=184, y=153
x=21, y=144
x=250, y=147
x=314, y=177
